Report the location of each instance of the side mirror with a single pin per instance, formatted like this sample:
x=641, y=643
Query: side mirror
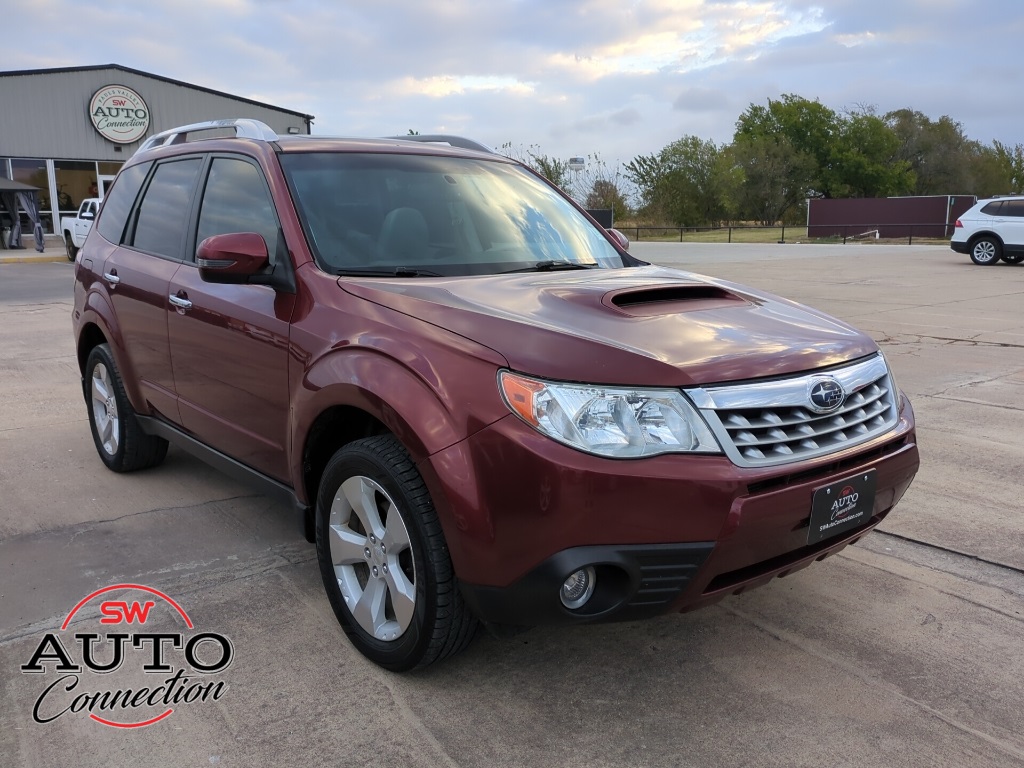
x=87, y=216
x=619, y=238
x=232, y=258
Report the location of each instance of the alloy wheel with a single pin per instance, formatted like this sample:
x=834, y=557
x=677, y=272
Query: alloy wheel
x=104, y=409
x=373, y=563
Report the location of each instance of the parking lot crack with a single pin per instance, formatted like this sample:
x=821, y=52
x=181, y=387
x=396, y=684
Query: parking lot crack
x=1013, y=750
x=82, y=528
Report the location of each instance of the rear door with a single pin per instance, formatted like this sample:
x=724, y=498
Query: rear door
x=137, y=272
x=229, y=343
x=1013, y=225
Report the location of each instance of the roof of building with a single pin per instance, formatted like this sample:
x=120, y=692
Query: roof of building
x=60, y=70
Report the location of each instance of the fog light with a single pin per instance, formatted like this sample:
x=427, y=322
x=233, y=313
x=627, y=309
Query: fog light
x=578, y=588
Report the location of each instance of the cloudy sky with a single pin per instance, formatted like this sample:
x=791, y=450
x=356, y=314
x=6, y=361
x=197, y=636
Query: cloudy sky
x=613, y=77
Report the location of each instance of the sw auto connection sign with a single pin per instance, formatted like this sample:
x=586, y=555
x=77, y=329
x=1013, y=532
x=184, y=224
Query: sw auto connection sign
x=119, y=114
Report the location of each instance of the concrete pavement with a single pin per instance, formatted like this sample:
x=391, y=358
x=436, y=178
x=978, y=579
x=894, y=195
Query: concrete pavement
x=901, y=651
x=53, y=250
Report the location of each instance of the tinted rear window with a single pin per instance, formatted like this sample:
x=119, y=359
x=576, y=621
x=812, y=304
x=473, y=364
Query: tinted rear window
x=120, y=201
x=163, y=213
x=1013, y=208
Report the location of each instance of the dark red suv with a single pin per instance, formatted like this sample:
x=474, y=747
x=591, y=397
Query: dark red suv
x=484, y=409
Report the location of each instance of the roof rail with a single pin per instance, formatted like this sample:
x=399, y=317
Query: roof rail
x=440, y=138
x=245, y=128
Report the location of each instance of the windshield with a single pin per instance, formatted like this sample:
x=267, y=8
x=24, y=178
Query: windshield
x=388, y=214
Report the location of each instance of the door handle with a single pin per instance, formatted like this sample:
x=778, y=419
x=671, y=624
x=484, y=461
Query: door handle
x=180, y=303
x=111, y=277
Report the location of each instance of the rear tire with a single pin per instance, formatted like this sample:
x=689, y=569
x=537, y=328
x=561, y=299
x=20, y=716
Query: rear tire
x=384, y=560
x=69, y=244
x=119, y=439
x=986, y=251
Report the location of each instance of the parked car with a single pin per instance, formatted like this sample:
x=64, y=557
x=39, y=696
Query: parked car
x=991, y=230
x=76, y=228
x=482, y=406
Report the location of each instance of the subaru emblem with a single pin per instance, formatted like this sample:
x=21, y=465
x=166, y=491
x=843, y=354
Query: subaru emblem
x=825, y=394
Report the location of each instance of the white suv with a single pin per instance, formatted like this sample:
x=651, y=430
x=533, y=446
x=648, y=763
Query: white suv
x=992, y=230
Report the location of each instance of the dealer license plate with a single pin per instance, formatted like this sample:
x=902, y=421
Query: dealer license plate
x=841, y=506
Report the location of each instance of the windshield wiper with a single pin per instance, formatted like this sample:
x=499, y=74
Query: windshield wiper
x=391, y=272
x=550, y=266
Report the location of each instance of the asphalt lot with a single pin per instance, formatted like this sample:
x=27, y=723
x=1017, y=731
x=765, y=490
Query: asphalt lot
x=902, y=651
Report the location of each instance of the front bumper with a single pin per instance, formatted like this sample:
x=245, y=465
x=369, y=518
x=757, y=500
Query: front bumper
x=669, y=533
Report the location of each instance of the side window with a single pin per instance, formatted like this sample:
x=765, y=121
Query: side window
x=237, y=200
x=993, y=209
x=1013, y=208
x=120, y=199
x=163, y=214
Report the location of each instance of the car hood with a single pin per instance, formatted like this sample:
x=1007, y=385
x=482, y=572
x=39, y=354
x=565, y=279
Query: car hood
x=648, y=325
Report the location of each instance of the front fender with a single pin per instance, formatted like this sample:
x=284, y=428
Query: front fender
x=425, y=411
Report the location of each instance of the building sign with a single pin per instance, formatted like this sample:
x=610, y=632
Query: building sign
x=119, y=114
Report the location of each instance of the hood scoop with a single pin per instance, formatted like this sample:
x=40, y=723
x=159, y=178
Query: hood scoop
x=671, y=299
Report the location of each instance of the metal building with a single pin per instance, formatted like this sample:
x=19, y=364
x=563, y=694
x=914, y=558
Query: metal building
x=68, y=131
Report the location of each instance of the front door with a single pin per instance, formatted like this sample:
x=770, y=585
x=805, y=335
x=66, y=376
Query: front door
x=229, y=343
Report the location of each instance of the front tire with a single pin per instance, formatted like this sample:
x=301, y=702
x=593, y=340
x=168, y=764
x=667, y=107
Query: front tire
x=69, y=245
x=986, y=251
x=384, y=560
x=119, y=439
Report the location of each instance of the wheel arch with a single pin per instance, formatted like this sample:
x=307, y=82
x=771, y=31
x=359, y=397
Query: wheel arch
x=353, y=393
x=984, y=233
x=98, y=325
x=333, y=428
x=89, y=337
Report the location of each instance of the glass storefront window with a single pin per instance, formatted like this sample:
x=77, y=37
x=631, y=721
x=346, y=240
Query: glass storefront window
x=109, y=169
x=75, y=182
x=5, y=169
x=34, y=172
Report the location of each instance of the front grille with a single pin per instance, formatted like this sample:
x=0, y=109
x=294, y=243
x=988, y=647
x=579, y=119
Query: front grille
x=772, y=422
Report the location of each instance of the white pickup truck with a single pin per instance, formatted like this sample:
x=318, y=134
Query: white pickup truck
x=76, y=228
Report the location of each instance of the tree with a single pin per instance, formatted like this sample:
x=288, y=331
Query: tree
x=945, y=161
x=864, y=161
x=554, y=170
x=606, y=194
x=809, y=128
x=685, y=183
x=1012, y=161
x=774, y=178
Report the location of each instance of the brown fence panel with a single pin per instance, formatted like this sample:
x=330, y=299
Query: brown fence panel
x=926, y=216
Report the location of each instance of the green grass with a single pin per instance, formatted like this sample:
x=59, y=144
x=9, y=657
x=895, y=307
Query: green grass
x=722, y=235
x=794, y=234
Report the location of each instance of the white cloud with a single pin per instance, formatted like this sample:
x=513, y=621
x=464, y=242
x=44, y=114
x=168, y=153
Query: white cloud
x=618, y=77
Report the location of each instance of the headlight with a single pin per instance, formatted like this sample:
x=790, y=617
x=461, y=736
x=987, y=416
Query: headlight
x=619, y=422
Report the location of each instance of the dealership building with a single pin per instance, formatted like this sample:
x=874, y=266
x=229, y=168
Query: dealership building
x=68, y=131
